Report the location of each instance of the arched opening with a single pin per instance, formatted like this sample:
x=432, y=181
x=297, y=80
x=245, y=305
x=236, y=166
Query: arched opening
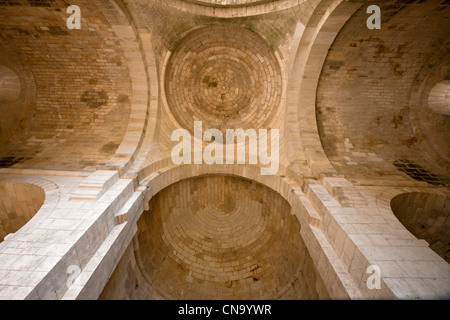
x=217, y=237
x=427, y=216
x=234, y=80
x=369, y=106
x=19, y=202
x=9, y=84
x=439, y=98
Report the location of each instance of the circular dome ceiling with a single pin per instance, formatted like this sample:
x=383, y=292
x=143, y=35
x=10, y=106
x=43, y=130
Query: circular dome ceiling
x=225, y=76
x=439, y=98
x=223, y=237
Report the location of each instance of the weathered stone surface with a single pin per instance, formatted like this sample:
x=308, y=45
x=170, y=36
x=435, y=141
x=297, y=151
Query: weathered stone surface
x=92, y=205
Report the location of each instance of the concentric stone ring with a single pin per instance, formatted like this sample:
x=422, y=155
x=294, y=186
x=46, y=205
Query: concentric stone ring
x=225, y=76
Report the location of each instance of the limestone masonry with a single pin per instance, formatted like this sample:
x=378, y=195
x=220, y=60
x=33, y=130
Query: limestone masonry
x=357, y=103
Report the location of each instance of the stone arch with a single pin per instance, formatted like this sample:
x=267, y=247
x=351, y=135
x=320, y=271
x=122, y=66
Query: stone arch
x=318, y=36
x=135, y=284
x=19, y=203
x=231, y=249
x=145, y=87
x=162, y=174
x=243, y=8
x=227, y=77
x=158, y=176
x=17, y=94
x=426, y=216
x=439, y=98
x=428, y=102
x=24, y=201
x=9, y=84
x=357, y=139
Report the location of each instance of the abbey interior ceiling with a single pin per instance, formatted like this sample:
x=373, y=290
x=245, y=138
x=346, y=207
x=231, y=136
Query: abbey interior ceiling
x=224, y=149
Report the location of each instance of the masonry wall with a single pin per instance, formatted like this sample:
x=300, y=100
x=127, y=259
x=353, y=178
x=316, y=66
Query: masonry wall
x=368, y=94
x=81, y=82
x=218, y=237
